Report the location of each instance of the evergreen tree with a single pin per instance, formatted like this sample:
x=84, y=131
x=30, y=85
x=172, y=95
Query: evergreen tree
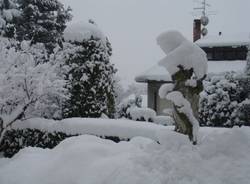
x=8, y=14
x=42, y=21
x=90, y=80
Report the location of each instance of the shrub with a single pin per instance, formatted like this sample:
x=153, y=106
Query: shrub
x=224, y=101
x=15, y=140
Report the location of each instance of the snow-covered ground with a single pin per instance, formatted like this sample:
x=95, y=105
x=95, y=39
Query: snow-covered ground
x=222, y=157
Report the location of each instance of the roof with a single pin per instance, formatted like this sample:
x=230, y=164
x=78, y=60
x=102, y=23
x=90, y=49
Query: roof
x=159, y=74
x=224, y=40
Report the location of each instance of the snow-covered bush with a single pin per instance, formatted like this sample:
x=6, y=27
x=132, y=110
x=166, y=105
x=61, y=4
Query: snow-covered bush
x=187, y=65
x=45, y=133
x=164, y=120
x=224, y=101
x=90, y=76
x=15, y=140
x=141, y=114
x=27, y=85
x=126, y=104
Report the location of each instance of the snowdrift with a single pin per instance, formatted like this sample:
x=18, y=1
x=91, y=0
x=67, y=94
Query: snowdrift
x=222, y=157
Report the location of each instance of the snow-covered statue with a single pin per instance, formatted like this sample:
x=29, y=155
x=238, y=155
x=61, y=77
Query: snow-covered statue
x=187, y=64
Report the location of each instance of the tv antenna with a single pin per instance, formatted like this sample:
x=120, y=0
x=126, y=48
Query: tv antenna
x=202, y=11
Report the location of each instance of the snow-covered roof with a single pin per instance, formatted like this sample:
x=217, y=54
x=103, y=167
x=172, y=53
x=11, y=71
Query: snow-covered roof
x=160, y=74
x=224, y=40
x=82, y=31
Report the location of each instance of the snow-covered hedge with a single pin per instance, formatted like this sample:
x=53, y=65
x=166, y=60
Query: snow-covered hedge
x=49, y=133
x=225, y=101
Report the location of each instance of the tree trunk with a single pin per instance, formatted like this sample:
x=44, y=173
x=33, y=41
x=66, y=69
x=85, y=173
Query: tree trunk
x=191, y=94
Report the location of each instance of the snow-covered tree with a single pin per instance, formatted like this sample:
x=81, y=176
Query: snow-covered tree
x=27, y=86
x=8, y=14
x=187, y=64
x=91, y=74
x=42, y=21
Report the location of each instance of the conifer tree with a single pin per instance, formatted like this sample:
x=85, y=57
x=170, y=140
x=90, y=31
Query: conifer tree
x=90, y=80
x=42, y=21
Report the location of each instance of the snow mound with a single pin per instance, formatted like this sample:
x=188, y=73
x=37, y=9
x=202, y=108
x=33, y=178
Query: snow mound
x=181, y=52
x=77, y=32
x=222, y=158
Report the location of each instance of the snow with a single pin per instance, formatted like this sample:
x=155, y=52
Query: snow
x=181, y=52
x=137, y=113
x=165, y=88
x=10, y=14
x=242, y=39
x=191, y=83
x=77, y=32
x=122, y=128
x=159, y=73
x=164, y=120
x=216, y=67
x=221, y=158
x=184, y=106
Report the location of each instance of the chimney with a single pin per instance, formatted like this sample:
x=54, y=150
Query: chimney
x=197, y=30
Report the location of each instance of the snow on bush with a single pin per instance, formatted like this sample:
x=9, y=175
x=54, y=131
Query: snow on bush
x=224, y=101
x=126, y=104
x=164, y=120
x=141, y=114
x=45, y=133
x=222, y=158
x=122, y=128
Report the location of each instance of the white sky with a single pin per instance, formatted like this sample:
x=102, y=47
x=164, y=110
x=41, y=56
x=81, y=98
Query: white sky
x=133, y=25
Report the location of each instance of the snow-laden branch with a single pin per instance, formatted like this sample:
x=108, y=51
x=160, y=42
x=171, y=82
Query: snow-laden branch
x=28, y=85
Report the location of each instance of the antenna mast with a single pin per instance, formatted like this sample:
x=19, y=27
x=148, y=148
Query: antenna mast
x=204, y=15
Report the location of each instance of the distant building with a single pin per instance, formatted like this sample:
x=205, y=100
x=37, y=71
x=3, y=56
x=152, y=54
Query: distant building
x=224, y=53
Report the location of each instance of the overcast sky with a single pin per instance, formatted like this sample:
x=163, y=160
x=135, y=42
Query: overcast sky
x=133, y=25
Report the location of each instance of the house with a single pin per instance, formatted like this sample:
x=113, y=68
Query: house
x=224, y=53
